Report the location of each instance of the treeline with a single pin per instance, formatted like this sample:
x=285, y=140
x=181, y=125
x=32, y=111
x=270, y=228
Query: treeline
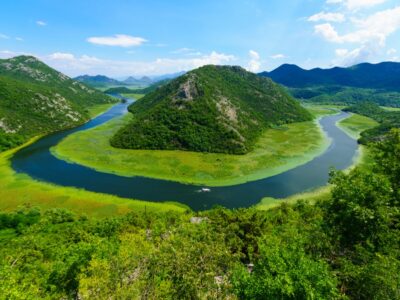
x=386, y=119
x=343, y=95
x=346, y=247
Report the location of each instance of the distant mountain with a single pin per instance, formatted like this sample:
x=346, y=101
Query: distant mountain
x=385, y=75
x=138, y=81
x=98, y=80
x=36, y=99
x=168, y=76
x=146, y=90
x=210, y=109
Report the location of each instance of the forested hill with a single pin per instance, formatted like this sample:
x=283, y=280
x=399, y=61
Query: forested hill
x=385, y=75
x=36, y=99
x=210, y=109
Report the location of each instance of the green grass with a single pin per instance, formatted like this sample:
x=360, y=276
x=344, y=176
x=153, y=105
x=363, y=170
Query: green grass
x=278, y=150
x=352, y=125
x=96, y=110
x=134, y=96
x=355, y=124
x=18, y=189
x=319, y=110
x=391, y=108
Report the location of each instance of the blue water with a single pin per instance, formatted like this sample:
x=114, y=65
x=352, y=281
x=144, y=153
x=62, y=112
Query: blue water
x=37, y=161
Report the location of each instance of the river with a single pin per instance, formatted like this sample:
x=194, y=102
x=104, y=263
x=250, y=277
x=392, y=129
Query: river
x=37, y=161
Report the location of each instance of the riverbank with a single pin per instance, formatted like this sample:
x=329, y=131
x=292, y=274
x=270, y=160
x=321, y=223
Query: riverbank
x=353, y=126
x=18, y=190
x=277, y=151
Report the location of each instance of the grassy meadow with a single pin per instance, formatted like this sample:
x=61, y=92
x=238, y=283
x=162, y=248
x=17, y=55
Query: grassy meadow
x=276, y=151
x=21, y=190
x=355, y=124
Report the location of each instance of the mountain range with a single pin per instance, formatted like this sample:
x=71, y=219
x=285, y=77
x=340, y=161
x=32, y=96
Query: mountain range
x=385, y=75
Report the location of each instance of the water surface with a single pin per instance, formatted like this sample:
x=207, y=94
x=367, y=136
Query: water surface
x=37, y=161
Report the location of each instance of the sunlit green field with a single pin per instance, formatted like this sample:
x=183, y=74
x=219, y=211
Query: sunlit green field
x=353, y=126
x=277, y=150
x=356, y=124
x=19, y=189
x=134, y=96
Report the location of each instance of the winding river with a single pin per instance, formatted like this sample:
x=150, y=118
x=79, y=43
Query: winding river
x=37, y=161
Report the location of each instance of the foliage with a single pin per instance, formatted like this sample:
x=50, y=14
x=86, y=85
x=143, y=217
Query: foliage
x=211, y=109
x=37, y=100
x=346, y=246
x=387, y=120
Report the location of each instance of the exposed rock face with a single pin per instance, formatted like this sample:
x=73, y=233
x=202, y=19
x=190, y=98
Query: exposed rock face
x=210, y=109
x=36, y=99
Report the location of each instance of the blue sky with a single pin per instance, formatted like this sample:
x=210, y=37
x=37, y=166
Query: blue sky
x=121, y=37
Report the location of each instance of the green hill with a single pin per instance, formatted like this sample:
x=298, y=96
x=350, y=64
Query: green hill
x=211, y=109
x=36, y=99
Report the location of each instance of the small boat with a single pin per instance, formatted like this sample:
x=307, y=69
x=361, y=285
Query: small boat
x=205, y=190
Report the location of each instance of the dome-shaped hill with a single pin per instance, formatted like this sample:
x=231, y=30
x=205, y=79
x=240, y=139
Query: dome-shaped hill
x=211, y=109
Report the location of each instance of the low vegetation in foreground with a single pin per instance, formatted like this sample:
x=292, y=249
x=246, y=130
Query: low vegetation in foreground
x=346, y=246
x=218, y=109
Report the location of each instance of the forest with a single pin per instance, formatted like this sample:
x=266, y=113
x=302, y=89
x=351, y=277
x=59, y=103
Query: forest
x=343, y=247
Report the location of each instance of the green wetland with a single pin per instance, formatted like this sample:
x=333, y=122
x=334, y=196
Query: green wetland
x=339, y=154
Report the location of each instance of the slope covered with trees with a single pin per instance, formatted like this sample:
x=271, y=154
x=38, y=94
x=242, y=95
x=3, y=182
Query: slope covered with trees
x=210, y=109
x=36, y=99
x=379, y=83
x=346, y=246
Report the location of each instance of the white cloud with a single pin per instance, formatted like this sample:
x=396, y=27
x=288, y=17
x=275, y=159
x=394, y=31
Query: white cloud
x=345, y=57
x=19, y=39
x=121, y=40
x=373, y=29
x=254, y=64
x=3, y=36
x=61, y=56
x=391, y=51
x=74, y=65
x=41, y=23
x=329, y=17
x=278, y=56
x=356, y=4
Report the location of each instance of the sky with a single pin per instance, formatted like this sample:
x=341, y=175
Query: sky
x=120, y=38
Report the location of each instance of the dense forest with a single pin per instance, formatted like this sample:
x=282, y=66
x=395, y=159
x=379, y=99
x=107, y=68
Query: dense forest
x=343, y=247
x=36, y=99
x=219, y=109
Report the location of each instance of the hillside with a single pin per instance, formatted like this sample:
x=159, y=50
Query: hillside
x=379, y=83
x=385, y=75
x=36, y=99
x=211, y=109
